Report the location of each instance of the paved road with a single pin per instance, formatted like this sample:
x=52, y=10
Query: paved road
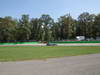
x=74, y=65
x=68, y=44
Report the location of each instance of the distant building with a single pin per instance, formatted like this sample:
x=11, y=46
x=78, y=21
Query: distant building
x=80, y=38
x=98, y=38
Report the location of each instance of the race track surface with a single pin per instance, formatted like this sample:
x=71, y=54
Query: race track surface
x=74, y=65
x=68, y=44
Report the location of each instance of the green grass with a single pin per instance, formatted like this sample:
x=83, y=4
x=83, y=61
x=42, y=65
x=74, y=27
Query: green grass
x=28, y=53
x=19, y=43
x=67, y=42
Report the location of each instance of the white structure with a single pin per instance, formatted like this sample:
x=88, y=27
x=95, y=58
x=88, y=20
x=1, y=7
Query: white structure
x=97, y=38
x=80, y=38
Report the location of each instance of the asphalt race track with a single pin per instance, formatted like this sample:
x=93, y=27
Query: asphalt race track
x=73, y=65
x=70, y=44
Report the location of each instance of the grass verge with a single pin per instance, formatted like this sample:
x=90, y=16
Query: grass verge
x=29, y=52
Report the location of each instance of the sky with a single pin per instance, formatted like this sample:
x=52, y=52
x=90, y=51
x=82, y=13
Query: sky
x=55, y=8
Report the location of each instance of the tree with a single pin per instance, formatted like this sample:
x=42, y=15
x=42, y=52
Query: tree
x=46, y=23
x=24, y=26
x=85, y=24
x=45, y=29
x=36, y=29
x=67, y=27
x=97, y=25
x=7, y=28
x=56, y=31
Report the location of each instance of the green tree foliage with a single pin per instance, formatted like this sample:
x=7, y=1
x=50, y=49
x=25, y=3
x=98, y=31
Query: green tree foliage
x=97, y=25
x=46, y=23
x=23, y=28
x=86, y=25
x=7, y=29
x=67, y=27
x=36, y=29
x=56, y=32
x=45, y=29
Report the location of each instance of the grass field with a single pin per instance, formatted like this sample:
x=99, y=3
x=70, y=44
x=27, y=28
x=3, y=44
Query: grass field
x=29, y=52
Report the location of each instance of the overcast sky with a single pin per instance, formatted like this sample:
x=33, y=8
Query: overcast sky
x=55, y=8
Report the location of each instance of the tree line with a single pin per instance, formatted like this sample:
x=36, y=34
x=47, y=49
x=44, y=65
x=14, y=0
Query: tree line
x=46, y=29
